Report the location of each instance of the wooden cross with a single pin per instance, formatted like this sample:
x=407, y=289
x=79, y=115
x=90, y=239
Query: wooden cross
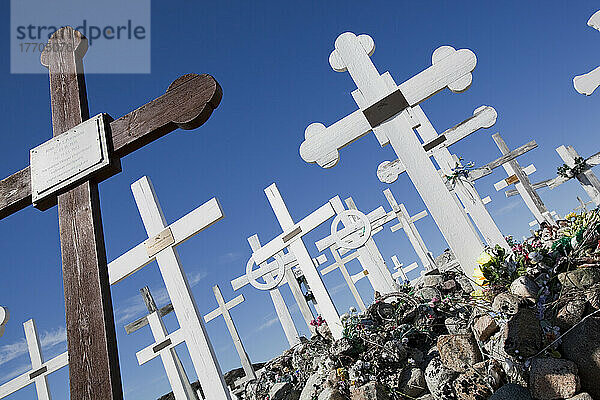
x=518, y=177
x=407, y=222
x=385, y=109
x=223, y=310
x=189, y=101
x=340, y=263
x=292, y=238
x=282, y=270
x=4, y=317
x=161, y=246
x=583, y=205
x=401, y=270
x=587, y=83
x=178, y=379
x=39, y=369
x=588, y=180
x=357, y=234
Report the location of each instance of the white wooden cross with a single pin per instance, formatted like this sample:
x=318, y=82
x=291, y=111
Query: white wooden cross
x=275, y=274
x=39, y=369
x=554, y=215
x=4, y=317
x=401, y=271
x=161, y=246
x=178, y=379
x=292, y=238
x=223, y=310
x=518, y=176
x=384, y=108
x=583, y=205
x=588, y=180
x=357, y=235
x=587, y=83
x=407, y=222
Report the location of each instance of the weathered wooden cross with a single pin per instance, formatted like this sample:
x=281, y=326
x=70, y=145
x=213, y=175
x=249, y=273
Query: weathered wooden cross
x=583, y=205
x=518, y=176
x=407, y=223
x=587, y=83
x=178, y=379
x=4, y=317
x=292, y=238
x=385, y=109
x=39, y=369
x=401, y=270
x=67, y=170
x=581, y=169
x=223, y=310
x=161, y=246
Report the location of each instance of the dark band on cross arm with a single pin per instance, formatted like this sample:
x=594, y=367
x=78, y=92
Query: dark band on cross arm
x=37, y=373
x=386, y=108
x=292, y=234
x=434, y=143
x=161, y=346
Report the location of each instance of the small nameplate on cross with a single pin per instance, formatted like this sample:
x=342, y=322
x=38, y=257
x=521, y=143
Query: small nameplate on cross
x=37, y=373
x=511, y=179
x=386, y=108
x=159, y=242
x=69, y=158
x=161, y=346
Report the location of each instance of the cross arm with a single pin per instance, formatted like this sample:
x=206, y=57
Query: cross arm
x=183, y=229
x=143, y=321
x=536, y=186
x=489, y=167
x=53, y=365
x=187, y=104
x=218, y=311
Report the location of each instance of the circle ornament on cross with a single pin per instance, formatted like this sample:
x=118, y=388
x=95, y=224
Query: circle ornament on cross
x=277, y=266
x=351, y=241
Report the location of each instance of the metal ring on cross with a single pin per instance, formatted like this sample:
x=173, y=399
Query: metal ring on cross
x=351, y=241
x=265, y=272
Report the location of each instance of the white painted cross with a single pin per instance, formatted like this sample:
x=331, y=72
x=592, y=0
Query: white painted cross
x=161, y=246
x=178, y=379
x=583, y=205
x=587, y=83
x=518, y=176
x=357, y=235
x=4, y=317
x=554, y=215
x=401, y=271
x=588, y=180
x=407, y=222
x=223, y=310
x=384, y=108
x=292, y=238
x=39, y=369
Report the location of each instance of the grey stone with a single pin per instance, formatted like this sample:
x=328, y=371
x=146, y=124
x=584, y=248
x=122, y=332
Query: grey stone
x=465, y=283
x=412, y=382
x=523, y=334
x=511, y=391
x=506, y=303
x=432, y=280
x=484, y=327
x=582, y=345
x=456, y=325
x=448, y=285
x=280, y=391
x=581, y=278
x=524, y=287
x=312, y=387
x=471, y=386
x=553, y=378
x=439, y=380
x=428, y=293
x=343, y=347
x=571, y=313
x=458, y=352
x=330, y=393
x=582, y=396
x=369, y=391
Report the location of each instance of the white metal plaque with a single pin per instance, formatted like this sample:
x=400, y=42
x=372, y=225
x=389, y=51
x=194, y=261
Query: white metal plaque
x=68, y=158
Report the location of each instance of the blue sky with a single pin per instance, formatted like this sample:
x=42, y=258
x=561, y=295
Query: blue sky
x=271, y=58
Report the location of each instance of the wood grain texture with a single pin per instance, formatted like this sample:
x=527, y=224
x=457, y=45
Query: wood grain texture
x=93, y=356
x=187, y=104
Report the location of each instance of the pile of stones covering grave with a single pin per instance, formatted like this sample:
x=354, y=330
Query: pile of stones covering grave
x=525, y=326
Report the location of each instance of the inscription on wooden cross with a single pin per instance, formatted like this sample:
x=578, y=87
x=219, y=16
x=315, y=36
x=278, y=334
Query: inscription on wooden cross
x=518, y=177
x=178, y=379
x=587, y=83
x=189, y=101
x=384, y=108
x=39, y=369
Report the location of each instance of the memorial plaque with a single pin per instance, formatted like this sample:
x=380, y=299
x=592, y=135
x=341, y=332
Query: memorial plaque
x=69, y=158
x=512, y=179
x=159, y=242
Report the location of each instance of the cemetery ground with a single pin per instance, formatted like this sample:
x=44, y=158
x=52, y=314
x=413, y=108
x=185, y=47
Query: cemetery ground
x=526, y=326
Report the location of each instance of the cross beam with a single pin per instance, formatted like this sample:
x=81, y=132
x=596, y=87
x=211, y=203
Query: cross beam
x=39, y=369
x=189, y=101
x=178, y=379
x=384, y=108
x=518, y=176
x=583, y=205
x=401, y=270
x=161, y=246
x=292, y=238
x=588, y=180
x=223, y=310
x=588, y=83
